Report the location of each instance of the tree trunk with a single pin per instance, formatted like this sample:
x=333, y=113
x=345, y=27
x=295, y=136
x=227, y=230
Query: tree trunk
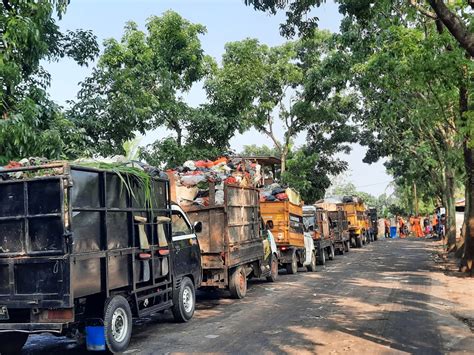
x=468, y=149
x=468, y=256
x=455, y=25
x=284, y=156
x=450, y=211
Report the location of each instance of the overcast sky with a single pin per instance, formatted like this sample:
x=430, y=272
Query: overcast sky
x=225, y=20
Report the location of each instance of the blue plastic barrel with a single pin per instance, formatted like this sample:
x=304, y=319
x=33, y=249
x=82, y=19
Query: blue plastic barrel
x=393, y=232
x=95, y=338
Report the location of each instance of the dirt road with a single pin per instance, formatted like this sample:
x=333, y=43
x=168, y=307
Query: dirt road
x=385, y=298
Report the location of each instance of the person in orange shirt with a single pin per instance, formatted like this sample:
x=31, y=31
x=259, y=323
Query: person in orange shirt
x=401, y=224
x=412, y=221
x=417, y=227
x=387, y=228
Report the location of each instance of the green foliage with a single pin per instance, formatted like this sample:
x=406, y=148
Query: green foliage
x=310, y=173
x=32, y=125
x=259, y=85
x=39, y=128
x=138, y=82
x=29, y=35
x=253, y=150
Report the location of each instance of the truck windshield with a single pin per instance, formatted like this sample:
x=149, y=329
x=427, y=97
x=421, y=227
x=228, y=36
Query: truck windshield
x=179, y=225
x=309, y=221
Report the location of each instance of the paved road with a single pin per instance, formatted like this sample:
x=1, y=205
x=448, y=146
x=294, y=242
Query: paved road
x=371, y=300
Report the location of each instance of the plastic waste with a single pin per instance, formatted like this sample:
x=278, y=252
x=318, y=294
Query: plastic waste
x=190, y=165
x=192, y=180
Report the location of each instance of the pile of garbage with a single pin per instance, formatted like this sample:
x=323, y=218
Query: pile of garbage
x=275, y=192
x=193, y=179
x=47, y=168
x=25, y=163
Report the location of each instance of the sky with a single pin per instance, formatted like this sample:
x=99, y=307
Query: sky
x=226, y=21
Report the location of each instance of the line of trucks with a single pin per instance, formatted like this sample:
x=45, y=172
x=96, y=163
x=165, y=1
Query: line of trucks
x=82, y=256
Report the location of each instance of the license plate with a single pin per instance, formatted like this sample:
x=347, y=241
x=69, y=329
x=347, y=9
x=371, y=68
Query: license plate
x=4, y=313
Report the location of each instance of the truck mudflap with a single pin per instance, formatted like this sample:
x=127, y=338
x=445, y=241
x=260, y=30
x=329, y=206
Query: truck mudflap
x=31, y=327
x=286, y=254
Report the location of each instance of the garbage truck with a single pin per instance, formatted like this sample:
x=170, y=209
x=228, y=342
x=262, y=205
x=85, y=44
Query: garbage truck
x=316, y=222
x=337, y=223
x=235, y=243
x=285, y=220
x=84, y=251
x=357, y=220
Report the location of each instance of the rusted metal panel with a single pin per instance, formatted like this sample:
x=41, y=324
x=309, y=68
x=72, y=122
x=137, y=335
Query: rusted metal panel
x=231, y=232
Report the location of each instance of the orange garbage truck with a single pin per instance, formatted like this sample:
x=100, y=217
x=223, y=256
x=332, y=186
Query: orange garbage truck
x=285, y=219
x=357, y=220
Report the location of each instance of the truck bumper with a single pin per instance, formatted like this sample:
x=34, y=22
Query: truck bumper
x=31, y=327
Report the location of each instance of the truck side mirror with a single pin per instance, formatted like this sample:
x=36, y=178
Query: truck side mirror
x=197, y=227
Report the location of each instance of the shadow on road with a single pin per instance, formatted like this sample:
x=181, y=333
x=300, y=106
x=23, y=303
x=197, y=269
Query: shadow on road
x=364, y=301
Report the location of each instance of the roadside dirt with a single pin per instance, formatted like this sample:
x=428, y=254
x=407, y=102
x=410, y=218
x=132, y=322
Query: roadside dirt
x=391, y=297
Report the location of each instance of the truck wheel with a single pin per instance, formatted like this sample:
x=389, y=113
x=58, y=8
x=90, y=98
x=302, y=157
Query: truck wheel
x=312, y=266
x=184, y=301
x=292, y=268
x=273, y=270
x=331, y=253
x=12, y=342
x=117, y=324
x=238, y=283
x=341, y=250
x=322, y=257
x=359, y=241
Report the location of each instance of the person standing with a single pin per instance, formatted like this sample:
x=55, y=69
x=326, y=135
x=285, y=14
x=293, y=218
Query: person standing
x=411, y=220
x=417, y=230
x=434, y=223
x=401, y=225
x=387, y=228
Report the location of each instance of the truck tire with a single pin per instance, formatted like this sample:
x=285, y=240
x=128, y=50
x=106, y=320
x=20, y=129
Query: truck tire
x=12, y=342
x=238, y=283
x=273, y=270
x=117, y=324
x=322, y=257
x=342, y=249
x=331, y=252
x=358, y=240
x=292, y=268
x=184, y=301
x=312, y=266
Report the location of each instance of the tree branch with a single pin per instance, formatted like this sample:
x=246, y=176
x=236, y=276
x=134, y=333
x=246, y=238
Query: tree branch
x=7, y=5
x=422, y=10
x=454, y=25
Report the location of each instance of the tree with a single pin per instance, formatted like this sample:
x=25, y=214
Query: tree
x=253, y=150
x=31, y=123
x=138, y=82
x=206, y=137
x=310, y=173
x=455, y=16
x=256, y=83
x=261, y=86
